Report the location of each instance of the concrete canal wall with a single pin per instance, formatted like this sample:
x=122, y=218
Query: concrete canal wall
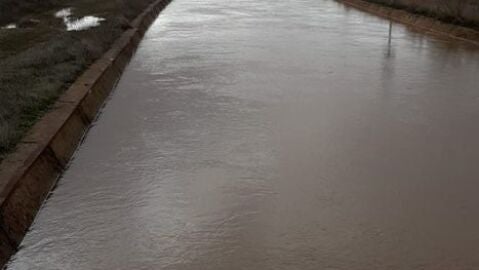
x=28, y=174
x=424, y=23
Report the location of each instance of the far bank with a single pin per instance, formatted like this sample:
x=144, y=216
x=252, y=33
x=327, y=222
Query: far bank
x=461, y=12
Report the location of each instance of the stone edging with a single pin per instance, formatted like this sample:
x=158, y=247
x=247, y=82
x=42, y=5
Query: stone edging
x=424, y=23
x=28, y=174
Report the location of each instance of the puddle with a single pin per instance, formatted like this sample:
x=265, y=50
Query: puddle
x=10, y=26
x=80, y=24
x=64, y=13
x=83, y=23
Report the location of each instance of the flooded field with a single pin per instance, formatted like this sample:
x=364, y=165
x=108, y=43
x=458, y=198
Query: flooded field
x=274, y=134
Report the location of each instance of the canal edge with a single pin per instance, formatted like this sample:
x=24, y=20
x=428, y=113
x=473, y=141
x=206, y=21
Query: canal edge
x=29, y=173
x=424, y=23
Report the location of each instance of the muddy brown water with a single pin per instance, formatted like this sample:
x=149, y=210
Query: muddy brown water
x=273, y=134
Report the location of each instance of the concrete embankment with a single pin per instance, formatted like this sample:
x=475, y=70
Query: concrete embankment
x=28, y=174
x=424, y=23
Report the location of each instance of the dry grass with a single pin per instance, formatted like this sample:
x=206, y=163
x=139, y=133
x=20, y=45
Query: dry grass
x=38, y=62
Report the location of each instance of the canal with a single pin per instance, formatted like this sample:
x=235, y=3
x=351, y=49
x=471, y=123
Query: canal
x=274, y=134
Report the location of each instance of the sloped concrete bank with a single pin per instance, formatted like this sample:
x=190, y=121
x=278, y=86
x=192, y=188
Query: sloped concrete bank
x=424, y=23
x=28, y=174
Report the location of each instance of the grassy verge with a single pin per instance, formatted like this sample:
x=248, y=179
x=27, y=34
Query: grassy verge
x=40, y=59
x=460, y=12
